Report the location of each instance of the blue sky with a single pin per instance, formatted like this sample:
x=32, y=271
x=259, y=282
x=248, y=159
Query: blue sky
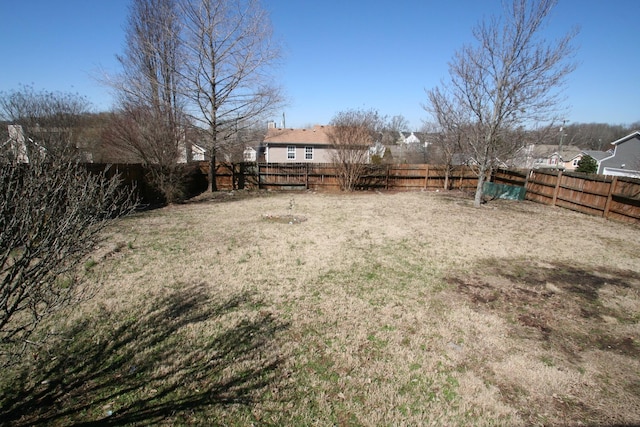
x=338, y=54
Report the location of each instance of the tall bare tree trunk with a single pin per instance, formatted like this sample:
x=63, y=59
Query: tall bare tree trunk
x=477, y=200
x=213, y=186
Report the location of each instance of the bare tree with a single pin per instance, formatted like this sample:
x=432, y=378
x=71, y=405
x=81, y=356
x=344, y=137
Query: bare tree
x=230, y=59
x=150, y=125
x=352, y=133
x=509, y=79
x=398, y=123
x=392, y=128
x=52, y=211
x=449, y=127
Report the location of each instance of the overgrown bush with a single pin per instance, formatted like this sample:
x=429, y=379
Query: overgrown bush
x=52, y=212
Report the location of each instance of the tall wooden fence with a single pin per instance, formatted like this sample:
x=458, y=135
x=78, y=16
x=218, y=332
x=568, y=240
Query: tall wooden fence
x=323, y=177
x=609, y=197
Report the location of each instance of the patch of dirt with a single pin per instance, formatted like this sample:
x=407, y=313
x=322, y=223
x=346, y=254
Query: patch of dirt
x=570, y=313
x=284, y=219
x=627, y=346
x=228, y=196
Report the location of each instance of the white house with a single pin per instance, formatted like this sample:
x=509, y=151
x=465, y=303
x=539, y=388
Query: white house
x=194, y=152
x=249, y=154
x=16, y=144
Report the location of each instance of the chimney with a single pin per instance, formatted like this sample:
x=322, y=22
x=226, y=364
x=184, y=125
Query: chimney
x=271, y=124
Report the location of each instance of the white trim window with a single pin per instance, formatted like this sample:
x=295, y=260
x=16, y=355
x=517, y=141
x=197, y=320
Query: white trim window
x=291, y=152
x=308, y=153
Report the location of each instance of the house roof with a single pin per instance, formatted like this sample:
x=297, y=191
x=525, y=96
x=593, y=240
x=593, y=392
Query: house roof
x=570, y=152
x=632, y=135
x=318, y=135
x=548, y=150
x=421, y=136
x=598, y=155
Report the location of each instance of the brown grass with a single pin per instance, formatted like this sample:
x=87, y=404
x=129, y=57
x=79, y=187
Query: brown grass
x=377, y=309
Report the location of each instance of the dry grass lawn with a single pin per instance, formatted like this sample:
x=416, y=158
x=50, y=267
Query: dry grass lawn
x=348, y=309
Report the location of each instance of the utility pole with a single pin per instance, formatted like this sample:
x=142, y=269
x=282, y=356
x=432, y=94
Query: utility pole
x=562, y=134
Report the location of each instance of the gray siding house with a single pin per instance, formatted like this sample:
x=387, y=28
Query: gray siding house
x=625, y=160
x=298, y=145
x=302, y=145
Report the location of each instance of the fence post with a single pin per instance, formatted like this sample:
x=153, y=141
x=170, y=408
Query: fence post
x=607, y=206
x=557, y=189
x=386, y=182
x=426, y=177
x=233, y=176
x=306, y=177
x=258, y=175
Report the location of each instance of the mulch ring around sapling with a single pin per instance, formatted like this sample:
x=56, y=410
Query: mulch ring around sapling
x=284, y=219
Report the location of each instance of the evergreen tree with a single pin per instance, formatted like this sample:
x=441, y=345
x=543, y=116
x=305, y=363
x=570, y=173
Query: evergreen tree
x=587, y=164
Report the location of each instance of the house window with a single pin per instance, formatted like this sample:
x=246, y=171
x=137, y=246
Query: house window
x=308, y=153
x=291, y=152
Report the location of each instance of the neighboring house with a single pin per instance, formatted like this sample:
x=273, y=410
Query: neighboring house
x=421, y=138
x=249, y=154
x=569, y=157
x=545, y=156
x=197, y=153
x=625, y=159
x=298, y=145
x=190, y=152
x=409, y=138
x=16, y=144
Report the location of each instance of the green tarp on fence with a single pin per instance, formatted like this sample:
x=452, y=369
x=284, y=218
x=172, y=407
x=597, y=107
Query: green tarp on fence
x=503, y=191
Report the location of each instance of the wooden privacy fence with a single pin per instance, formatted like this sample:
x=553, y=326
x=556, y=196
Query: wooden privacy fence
x=609, y=197
x=324, y=176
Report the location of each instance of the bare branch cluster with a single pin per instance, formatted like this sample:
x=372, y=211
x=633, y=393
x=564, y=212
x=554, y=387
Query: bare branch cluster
x=51, y=214
x=229, y=57
x=352, y=133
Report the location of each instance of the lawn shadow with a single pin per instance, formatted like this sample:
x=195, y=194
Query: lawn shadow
x=145, y=367
x=563, y=302
x=580, y=280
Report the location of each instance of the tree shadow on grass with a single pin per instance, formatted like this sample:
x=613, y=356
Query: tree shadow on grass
x=186, y=356
x=580, y=280
x=562, y=301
